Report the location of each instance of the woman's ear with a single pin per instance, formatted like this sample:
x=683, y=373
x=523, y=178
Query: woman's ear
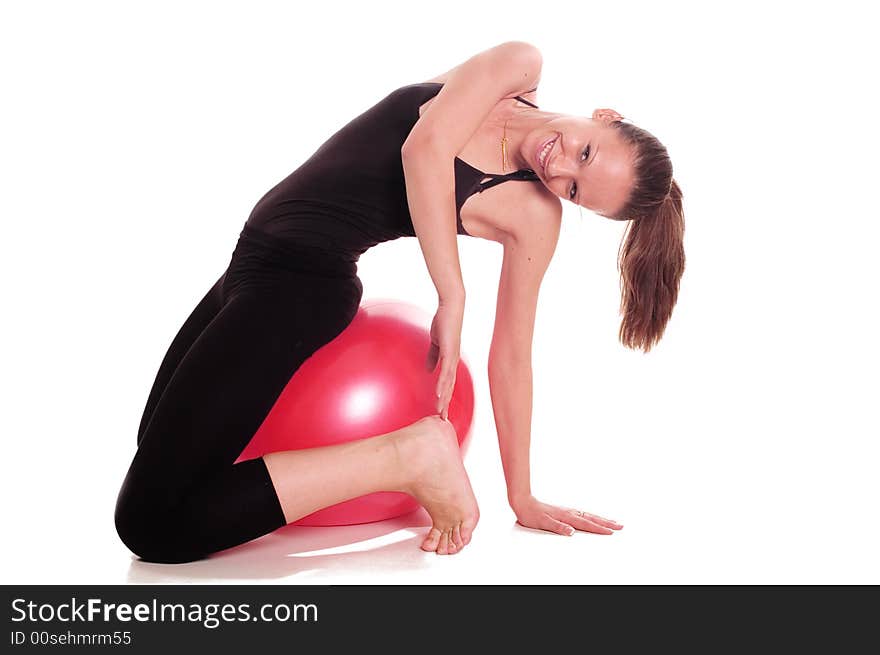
x=606, y=115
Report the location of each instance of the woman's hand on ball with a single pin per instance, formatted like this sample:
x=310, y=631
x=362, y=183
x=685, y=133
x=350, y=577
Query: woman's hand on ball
x=445, y=349
x=532, y=513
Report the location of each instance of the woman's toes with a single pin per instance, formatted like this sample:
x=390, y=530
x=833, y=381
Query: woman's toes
x=432, y=540
x=456, y=537
x=467, y=529
x=443, y=548
x=453, y=547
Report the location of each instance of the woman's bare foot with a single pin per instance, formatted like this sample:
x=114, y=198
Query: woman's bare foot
x=429, y=452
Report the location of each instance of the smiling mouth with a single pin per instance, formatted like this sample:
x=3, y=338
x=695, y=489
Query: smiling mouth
x=544, y=153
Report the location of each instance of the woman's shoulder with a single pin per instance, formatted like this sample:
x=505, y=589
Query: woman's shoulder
x=521, y=210
x=441, y=79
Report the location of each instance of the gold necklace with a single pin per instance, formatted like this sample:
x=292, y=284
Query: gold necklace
x=504, y=149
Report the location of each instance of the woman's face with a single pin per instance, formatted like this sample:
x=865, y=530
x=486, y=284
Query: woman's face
x=587, y=163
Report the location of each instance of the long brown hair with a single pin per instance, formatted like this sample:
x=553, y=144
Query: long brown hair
x=651, y=257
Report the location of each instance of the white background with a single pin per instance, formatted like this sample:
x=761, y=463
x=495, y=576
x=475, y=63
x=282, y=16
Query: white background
x=743, y=449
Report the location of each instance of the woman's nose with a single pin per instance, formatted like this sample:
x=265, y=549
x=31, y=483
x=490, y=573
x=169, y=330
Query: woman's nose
x=563, y=165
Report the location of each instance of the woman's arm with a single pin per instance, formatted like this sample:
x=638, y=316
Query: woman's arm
x=430, y=192
x=528, y=249
x=527, y=253
x=466, y=99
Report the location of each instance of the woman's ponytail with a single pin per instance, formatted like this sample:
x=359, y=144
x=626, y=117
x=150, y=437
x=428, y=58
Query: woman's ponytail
x=651, y=262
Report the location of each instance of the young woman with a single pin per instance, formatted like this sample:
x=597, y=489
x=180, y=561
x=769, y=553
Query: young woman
x=411, y=165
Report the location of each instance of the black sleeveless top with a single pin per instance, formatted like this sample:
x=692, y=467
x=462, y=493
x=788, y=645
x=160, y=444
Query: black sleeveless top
x=351, y=194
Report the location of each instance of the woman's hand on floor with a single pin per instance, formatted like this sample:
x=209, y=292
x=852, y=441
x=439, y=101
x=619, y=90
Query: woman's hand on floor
x=445, y=348
x=532, y=513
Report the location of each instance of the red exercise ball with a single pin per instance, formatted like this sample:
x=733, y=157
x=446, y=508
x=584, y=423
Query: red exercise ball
x=371, y=379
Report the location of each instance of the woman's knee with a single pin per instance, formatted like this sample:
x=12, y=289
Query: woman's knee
x=155, y=534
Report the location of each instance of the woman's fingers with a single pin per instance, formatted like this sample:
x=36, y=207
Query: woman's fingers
x=447, y=373
x=591, y=523
x=608, y=523
x=563, y=520
x=446, y=384
x=444, y=351
x=433, y=357
x=552, y=525
x=586, y=525
x=595, y=518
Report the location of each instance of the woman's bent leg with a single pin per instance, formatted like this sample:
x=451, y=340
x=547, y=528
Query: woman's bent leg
x=183, y=497
x=197, y=321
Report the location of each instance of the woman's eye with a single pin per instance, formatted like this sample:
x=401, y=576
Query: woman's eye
x=585, y=155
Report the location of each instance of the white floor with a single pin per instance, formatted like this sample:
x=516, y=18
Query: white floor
x=786, y=519
x=501, y=553
x=743, y=449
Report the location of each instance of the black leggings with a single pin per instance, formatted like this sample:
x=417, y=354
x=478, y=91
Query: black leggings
x=275, y=305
